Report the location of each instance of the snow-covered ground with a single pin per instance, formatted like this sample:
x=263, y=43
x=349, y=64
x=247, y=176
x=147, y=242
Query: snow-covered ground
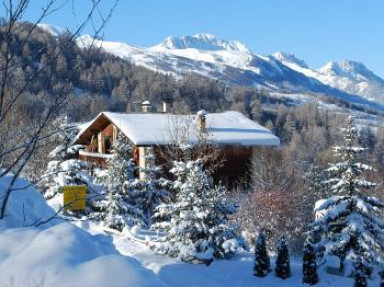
x=65, y=255
x=82, y=253
x=236, y=271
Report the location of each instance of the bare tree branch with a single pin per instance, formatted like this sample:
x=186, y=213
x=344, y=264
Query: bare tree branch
x=12, y=90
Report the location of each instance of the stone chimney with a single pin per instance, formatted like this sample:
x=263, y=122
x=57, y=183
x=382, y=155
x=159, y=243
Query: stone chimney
x=201, y=120
x=146, y=107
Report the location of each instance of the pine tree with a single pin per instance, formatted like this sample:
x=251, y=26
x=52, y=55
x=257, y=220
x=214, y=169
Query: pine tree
x=64, y=169
x=310, y=275
x=348, y=224
x=198, y=227
x=153, y=189
x=262, y=264
x=283, y=267
x=118, y=208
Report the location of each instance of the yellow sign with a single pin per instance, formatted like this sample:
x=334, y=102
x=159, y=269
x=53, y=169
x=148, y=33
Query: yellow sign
x=74, y=197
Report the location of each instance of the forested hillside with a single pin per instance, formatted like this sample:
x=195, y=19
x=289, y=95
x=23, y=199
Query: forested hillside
x=99, y=81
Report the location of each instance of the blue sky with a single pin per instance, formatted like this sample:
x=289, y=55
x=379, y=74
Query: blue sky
x=315, y=30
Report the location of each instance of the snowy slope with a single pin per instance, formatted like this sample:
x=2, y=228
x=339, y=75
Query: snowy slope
x=234, y=63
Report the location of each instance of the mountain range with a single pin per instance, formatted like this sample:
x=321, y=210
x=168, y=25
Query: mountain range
x=235, y=64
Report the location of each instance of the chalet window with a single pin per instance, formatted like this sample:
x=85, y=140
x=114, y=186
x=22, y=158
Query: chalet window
x=108, y=144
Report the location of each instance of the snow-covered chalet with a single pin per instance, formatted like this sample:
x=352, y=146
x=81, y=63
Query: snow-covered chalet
x=235, y=135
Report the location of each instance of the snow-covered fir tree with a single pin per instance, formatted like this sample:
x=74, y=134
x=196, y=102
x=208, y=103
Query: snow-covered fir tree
x=283, y=266
x=117, y=208
x=348, y=224
x=153, y=189
x=64, y=169
x=262, y=265
x=310, y=275
x=198, y=229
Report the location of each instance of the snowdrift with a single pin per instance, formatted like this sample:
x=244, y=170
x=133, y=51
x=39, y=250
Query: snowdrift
x=64, y=255
x=58, y=253
x=26, y=207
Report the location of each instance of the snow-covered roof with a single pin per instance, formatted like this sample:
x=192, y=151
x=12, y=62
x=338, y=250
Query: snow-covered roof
x=227, y=128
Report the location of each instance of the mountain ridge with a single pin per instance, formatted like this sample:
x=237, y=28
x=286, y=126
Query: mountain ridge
x=233, y=63
x=211, y=56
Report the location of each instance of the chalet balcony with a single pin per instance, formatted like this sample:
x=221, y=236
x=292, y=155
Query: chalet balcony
x=94, y=158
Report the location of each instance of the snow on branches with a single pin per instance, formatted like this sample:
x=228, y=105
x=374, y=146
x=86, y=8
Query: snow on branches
x=262, y=264
x=153, y=189
x=64, y=169
x=198, y=226
x=283, y=265
x=310, y=275
x=348, y=224
x=118, y=208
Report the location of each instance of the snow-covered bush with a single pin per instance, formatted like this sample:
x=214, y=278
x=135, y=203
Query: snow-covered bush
x=348, y=225
x=262, y=264
x=283, y=266
x=153, y=189
x=117, y=208
x=198, y=226
x=64, y=169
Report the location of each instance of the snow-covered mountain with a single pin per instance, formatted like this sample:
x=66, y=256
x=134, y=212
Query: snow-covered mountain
x=234, y=63
x=349, y=76
x=201, y=41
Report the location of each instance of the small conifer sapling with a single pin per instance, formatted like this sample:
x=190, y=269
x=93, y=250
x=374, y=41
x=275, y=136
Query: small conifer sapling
x=262, y=264
x=310, y=275
x=283, y=268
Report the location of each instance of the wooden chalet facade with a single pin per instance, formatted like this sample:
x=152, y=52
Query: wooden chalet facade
x=231, y=132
